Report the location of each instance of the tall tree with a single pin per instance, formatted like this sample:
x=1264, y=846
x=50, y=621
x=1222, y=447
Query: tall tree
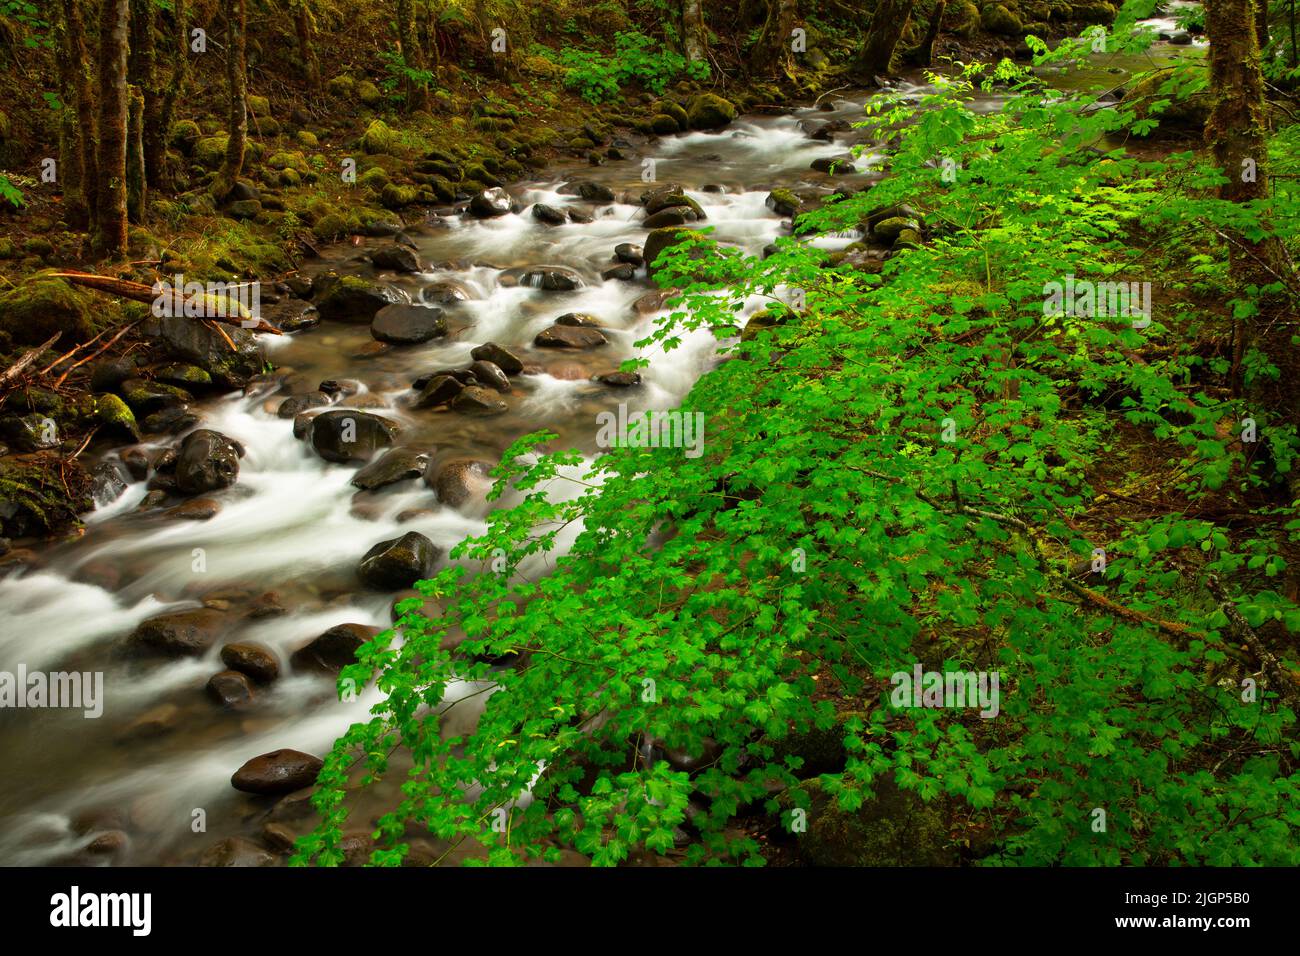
x=179, y=46
x=694, y=37
x=237, y=87
x=415, y=95
x=772, y=52
x=143, y=73
x=887, y=24
x=306, y=27
x=80, y=93
x=109, y=236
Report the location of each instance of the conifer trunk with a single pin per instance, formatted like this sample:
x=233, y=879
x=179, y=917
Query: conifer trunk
x=237, y=87
x=84, y=140
x=887, y=24
x=109, y=237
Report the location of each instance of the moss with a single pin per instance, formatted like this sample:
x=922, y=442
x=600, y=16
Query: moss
x=395, y=197
x=369, y=94
x=116, y=416
x=379, y=138
x=7, y=248
x=1094, y=12
x=41, y=494
x=289, y=177
x=374, y=179
x=38, y=246
x=675, y=110
x=1192, y=112
x=962, y=18
x=34, y=311
x=342, y=85
x=331, y=226
x=306, y=139
x=663, y=124
x=210, y=151
x=998, y=19
x=185, y=134
x=709, y=111
x=244, y=209
x=288, y=160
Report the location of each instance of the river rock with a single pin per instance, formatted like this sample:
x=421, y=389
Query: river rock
x=333, y=650
x=396, y=258
x=207, y=461
x=345, y=435
x=277, y=772
x=254, y=660
x=459, y=480
x=548, y=214
x=196, y=509
x=620, y=379
x=439, y=390
x=489, y=374
x=552, y=279
x=499, y=356
x=835, y=165
x=144, y=396
x=673, y=216
x=230, y=689
x=177, y=633
x=709, y=111
x=443, y=293
x=578, y=320
x=349, y=299
x=491, y=203
x=408, y=324
x=570, y=337
x=236, y=851
x=630, y=253
x=190, y=340
x=397, y=464
x=477, y=400
x=592, y=191
x=623, y=272
x=297, y=404
x=399, y=562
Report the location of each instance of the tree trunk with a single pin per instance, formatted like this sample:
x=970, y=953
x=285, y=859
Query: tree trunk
x=414, y=94
x=306, y=30
x=137, y=189
x=1237, y=132
x=773, y=50
x=237, y=85
x=694, y=38
x=923, y=55
x=143, y=74
x=82, y=97
x=180, y=46
x=887, y=25
x=109, y=238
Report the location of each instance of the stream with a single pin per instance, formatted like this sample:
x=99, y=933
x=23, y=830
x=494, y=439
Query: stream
x=149, y=781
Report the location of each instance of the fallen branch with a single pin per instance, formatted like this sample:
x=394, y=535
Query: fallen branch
x=215, y=307
x=1283, y=680
x=15, y=371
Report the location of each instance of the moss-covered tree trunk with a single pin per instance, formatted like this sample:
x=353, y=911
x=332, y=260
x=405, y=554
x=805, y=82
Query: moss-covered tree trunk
x=137, y=189
x=237, y=89
x=109, y=236
x=306, y=28
x=876, y=55
x=772, y=52
x=923, y=55
x=72, y=172
x=81, y=96
x=179, y=45
x=1237, y=132
x=415, y=96
x=142, y=71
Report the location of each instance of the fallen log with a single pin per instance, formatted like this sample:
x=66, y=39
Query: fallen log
x=215, y=307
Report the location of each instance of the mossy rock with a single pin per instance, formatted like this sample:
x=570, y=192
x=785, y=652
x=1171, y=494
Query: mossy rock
x=38, y=246
x=1094, y=12
x=369, y=94
x=1191, y=113
x=394, y=196
x=289, y=177
x=34, y=311
x=8, y=249
x=306, y=139
x=331, y=226
x=374, y=179
x=675, y=110
x=244, y=209
x=581, y=143
x=285, y=159
x=259, y=106
x=709, y=111
x=962, y=18
x=664, y=125
x=379, y=138
x=184, y=135
x=116, y=416
x=479, y=173
x=998, y=19
x=210, y=151
x=41, y=494
x=342, y=85
x=897, y=828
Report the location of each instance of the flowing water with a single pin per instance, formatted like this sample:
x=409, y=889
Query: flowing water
x=294, y=525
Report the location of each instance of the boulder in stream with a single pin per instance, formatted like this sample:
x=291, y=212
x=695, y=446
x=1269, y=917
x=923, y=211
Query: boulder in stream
x=277, y=772
x=258, y=662
x=177, y=633
x=349, y=299
x=207, y=461
x=408, y=324
x=570, y=337
x=499, y=356
x=344, y=435
x=397, y=464
x=333, y=650
x=399, y=562
x=491, y=203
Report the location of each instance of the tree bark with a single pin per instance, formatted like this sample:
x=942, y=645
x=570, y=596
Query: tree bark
x=772, y=53
x=82, y=97
x=414, y=94
x=306, y=25
x=923, y=55
x=694, y=38
x=1237, y=132
x=180, y=46
x=237, y=86
x=137, y=188
x=143, y=74
x=887, y=24
x=109, y=237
